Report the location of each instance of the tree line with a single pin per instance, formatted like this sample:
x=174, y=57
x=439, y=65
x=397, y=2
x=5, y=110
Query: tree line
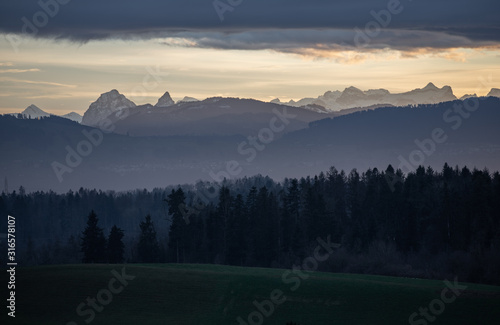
x=427, y=223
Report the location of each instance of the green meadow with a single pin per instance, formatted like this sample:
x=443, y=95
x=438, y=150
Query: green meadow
x=210, y=294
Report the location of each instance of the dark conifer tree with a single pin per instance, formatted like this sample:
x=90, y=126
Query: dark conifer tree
x=93, y=241
x=115, y=245
x=178, y=229
x=223, y=220
x=148, y=247
x=237, y=229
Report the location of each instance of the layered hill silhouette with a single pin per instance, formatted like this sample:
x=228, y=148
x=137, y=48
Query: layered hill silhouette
x=373, y=138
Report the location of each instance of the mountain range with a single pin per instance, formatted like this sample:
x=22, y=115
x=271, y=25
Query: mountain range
x=212, y=116
x=224, y=116
x=189, y=140
x=33, y=112
x=240, y=116
x=354, y=97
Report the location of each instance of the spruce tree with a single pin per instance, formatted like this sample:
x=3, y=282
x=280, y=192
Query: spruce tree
x=148, y=247
x=93, y=241
x=115, y=245
x=177, y=233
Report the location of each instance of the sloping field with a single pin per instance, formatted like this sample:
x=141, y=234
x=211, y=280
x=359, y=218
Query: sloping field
x=209, y=294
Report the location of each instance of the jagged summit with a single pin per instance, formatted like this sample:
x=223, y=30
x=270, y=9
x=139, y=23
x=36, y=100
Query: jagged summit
x=380, y=92
x=104, y=106
x=165, y=100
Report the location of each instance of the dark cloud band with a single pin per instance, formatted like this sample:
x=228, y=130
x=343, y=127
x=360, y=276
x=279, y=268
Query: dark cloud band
x=257, y=24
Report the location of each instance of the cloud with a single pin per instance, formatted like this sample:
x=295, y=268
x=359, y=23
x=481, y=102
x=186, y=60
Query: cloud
x=19, y=70
x=33, y=82
x=345, y=46
x=295, y=26
x=323, y=40
x=51, y=96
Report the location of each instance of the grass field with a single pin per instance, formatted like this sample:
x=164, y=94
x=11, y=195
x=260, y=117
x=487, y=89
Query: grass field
x=208, y=294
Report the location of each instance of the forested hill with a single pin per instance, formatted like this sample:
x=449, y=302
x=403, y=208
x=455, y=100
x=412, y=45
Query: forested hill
x=468, y=121
x=429, y=223
x=468, y=134
x=464, y=132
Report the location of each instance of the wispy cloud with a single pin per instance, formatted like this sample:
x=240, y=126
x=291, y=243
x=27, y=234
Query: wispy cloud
x=33, y=82
x=19, y=70
x=6, y=64
x=51, y=96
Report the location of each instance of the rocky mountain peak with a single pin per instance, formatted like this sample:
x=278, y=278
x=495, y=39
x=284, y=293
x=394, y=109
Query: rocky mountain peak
x=494, y=92
x=165, y=100
x=105, y=105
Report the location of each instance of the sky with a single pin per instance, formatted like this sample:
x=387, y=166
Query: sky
x=62, y=54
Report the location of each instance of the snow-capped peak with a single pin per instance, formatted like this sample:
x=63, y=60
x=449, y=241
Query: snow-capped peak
x=33, y=112
x=188, y=99
x=354, y=97
x=105, y=105
x=73, y=116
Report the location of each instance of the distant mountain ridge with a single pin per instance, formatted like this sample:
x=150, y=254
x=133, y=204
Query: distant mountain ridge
x=353, y=97
x=187, y=99
x=330, y=104
x=219, y=115
x=34, y=112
